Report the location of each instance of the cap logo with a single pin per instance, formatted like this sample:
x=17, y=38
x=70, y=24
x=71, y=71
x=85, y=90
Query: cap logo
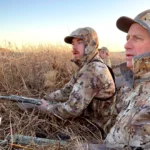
x=144, y=20
x=146, y=17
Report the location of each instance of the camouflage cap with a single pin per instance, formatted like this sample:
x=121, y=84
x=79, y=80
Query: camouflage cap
x=124, y=23
x=74, y=34
x=87, y=34
x=104, y=49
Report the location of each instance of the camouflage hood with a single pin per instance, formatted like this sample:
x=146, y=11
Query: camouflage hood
x=91, y=42
x=141, y=70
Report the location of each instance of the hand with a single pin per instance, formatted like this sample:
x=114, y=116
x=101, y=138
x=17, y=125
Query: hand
x=43, y=106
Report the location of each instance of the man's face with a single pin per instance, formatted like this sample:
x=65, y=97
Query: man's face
x=138, y=42
x=102, y=54
x=77, y=48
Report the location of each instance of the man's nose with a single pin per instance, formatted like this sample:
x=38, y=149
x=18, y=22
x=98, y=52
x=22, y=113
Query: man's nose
x=128, y=45
x=74, y=47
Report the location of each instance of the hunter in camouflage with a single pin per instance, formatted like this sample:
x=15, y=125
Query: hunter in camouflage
x=133, y=123
x=91, y=89
x=132, y=127
x=92, y=83
x=104, y=55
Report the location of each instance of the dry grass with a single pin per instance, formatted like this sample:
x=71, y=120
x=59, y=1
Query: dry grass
x=117, y=58
x=32, y=72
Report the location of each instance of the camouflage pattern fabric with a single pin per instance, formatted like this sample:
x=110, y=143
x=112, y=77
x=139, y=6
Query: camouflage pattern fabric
x=93, y=79
x=124, y=84
x=104, y=49
x=132, y=127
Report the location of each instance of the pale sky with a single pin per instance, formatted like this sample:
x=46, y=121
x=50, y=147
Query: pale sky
x=49, y=21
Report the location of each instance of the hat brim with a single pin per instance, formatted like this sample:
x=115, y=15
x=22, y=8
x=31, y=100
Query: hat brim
x=124, y=23
x=68, y=39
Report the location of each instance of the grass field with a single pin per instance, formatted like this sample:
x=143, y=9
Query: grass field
x=32, y=72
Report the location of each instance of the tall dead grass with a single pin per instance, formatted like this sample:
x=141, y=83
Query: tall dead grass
x=117, y=58
x=33, y=71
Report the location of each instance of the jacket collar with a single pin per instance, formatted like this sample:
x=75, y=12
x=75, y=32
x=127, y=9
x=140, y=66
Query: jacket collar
x=126, y=73
x=141, y=70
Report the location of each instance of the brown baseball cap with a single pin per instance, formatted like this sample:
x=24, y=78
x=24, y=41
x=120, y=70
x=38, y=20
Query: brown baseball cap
x=124, y=23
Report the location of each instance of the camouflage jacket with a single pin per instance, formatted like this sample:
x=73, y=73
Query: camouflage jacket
x=124, y=84
x=93, y=80
x=132, y=127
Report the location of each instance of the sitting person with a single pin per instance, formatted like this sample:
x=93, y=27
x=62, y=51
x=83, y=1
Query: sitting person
x=132, y=127
x=104, y=53
x=89, y=88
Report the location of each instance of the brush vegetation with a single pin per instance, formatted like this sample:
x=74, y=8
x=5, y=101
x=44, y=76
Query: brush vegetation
x=33, y=71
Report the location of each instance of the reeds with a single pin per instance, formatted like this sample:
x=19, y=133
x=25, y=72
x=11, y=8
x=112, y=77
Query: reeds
x=33, y=71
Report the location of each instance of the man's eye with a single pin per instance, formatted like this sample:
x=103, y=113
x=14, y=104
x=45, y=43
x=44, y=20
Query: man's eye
x=80, y=42
x=127, y=38
x=138, y=38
